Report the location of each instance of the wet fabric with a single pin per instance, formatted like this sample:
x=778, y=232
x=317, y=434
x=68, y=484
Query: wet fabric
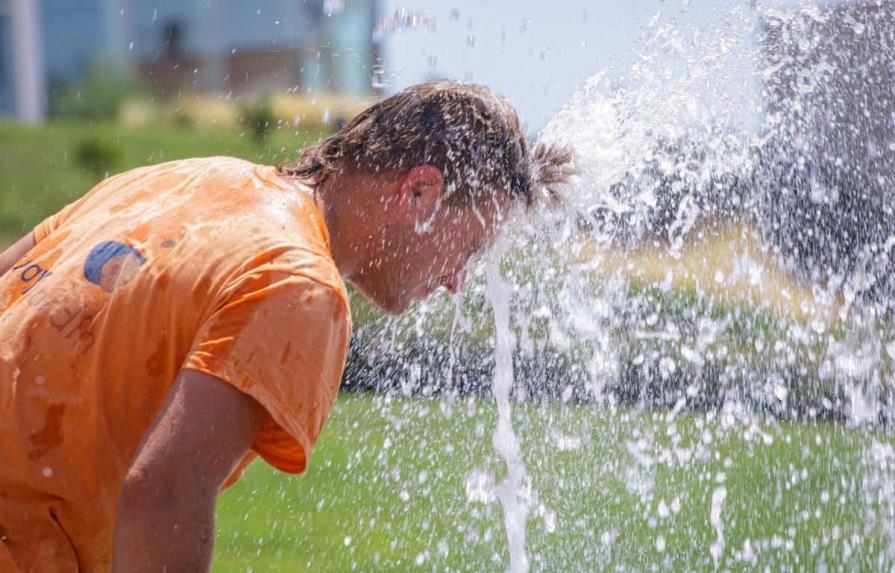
x=212, y=264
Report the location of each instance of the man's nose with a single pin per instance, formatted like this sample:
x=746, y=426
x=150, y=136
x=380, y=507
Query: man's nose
x=454, y=282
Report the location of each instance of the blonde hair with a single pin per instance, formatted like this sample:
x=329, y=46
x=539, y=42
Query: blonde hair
x=468, y=132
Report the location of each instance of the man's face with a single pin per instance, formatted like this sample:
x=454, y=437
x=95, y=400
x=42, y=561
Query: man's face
x=440, y=256
x=420, y=250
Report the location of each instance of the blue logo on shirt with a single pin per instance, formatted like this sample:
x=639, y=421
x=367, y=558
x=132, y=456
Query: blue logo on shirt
x=111, y=264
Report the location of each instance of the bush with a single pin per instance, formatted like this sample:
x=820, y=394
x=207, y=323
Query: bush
x=99, y=96
x=95, y=156
x=258, y=120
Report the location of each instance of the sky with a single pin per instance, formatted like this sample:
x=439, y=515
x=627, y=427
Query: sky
x=535, y=52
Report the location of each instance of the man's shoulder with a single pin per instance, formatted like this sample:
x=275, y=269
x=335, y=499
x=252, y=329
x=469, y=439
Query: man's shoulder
x=288, y=291
x=311, y=266
x=208, y=164
x=305, y=265
x=223, y=162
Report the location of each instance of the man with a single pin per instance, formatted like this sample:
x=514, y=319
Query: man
x=180, y=319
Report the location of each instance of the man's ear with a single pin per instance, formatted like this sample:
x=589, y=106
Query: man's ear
x=420, y=191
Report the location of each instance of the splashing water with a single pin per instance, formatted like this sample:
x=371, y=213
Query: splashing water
x=700, y=344
x=717, y=547
x=404, y=19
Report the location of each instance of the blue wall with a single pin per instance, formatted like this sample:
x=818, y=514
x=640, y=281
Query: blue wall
x=80, y=31
x=72, y=31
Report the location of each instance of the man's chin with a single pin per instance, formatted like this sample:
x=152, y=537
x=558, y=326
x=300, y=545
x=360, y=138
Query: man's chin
x=396, y=307
x=403, y=303
x=392, y=306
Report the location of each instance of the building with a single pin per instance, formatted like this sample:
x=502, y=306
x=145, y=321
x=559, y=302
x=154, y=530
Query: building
x=224, y=46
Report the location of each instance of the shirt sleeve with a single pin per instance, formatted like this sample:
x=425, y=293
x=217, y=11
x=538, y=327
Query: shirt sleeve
x=56, y=220
x=281, y=338
x=53, y=222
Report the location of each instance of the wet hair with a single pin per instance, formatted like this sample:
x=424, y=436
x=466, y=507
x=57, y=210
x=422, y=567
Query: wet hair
x=468, y=132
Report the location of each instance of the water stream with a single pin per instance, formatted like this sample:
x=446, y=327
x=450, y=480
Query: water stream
x=510, y=492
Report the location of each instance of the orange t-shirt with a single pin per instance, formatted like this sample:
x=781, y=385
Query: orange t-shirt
x=212, y=264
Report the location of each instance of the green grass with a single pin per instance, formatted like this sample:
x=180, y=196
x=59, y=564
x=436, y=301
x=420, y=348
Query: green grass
x=386, y=490
x=39, y=173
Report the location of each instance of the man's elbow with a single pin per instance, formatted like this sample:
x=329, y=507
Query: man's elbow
x=144, y=493
x=163, y=523
x=9, y=257
x=140, y=494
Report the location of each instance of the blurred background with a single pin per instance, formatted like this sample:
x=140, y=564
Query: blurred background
x=53, y=51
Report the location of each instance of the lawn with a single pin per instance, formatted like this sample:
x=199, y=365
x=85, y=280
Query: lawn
x=403, y=484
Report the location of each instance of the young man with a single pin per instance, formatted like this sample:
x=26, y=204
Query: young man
x=181, y=319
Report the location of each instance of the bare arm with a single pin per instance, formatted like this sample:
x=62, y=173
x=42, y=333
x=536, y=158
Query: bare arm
x=9, y=257
x=165, y=518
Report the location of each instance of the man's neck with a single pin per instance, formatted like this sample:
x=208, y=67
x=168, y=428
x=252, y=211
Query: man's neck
x=328, y=196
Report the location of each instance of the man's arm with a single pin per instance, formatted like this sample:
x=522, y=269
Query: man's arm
x=165, y=518
x=9, y=257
